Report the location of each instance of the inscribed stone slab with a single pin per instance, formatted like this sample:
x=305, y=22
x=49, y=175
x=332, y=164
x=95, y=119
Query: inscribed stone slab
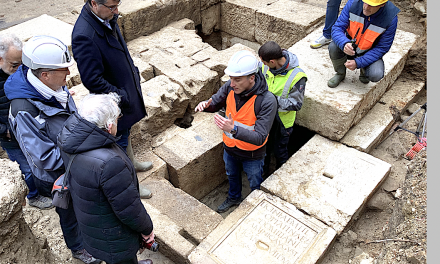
x=331, y=112
x=265, y=229
x=328, y=180
x=43, y=25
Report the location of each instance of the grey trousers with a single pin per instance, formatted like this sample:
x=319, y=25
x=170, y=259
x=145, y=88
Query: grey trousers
x=374, y=72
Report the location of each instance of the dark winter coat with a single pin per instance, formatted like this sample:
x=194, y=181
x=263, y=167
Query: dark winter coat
x=105, y=192
x=265, y=111
x=4, y=112
x=106, y=66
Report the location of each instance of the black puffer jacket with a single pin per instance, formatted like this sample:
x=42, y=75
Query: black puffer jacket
x=105, y=191
x=4, y=112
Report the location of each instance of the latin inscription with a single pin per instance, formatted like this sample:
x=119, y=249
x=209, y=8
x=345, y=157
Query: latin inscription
x=267, y=235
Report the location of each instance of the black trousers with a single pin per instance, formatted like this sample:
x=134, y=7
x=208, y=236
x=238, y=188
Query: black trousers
x=277, y=144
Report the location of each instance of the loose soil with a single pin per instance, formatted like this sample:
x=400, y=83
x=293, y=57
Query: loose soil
x=392, y=227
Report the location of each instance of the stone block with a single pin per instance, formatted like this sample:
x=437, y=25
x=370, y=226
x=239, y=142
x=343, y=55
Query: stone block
x=229, y=40
x=328, y=181
x=194, y=217
x=164, y=101
x=265, y=229
x=238, y=17
x=332, y=112
x=80, y=92
x=145, y=69
x=286, y=22
x=218, y=60
x=73, y=79
x=71, y=16
x=198, y=81
x=159, y=170
x=210, y=19
x=169, y=235
x=375, y=125
x=195, y=158
x=140, y=18
x=205, y=4
x=43, y=25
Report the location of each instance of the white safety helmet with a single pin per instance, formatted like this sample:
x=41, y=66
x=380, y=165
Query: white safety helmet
x=46, y=52
x=242, y=63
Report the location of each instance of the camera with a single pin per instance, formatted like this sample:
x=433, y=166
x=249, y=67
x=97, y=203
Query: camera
x=152, y=245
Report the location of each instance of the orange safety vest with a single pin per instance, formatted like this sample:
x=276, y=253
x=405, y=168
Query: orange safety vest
x=365, y=40
x=244, y=118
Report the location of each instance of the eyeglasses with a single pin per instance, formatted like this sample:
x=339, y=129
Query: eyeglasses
x=14, y=64
x=113, y=8
x=120, y=116
x=61, y=69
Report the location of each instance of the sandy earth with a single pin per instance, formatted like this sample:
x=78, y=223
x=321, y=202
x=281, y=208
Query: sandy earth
x=397, y=211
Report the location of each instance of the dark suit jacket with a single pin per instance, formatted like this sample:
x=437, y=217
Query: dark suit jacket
x=106, y=66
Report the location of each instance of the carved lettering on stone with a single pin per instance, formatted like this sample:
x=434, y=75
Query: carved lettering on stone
x=267, y=235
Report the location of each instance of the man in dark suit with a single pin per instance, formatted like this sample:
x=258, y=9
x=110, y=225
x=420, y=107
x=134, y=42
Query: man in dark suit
x=105, y=66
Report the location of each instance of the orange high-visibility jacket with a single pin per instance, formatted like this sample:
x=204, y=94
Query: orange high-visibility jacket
x=244, y=118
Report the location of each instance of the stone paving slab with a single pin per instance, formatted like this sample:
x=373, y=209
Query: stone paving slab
x=140, y=17
x=195, y=158
x=378, y=122
x=196, y=219
x=265, y=229
x=332, y=112
x=328, y=181
x=286, y=22
x=159, y=170
x=43, y=25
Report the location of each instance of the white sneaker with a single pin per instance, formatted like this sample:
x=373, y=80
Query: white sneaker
x=321, y=41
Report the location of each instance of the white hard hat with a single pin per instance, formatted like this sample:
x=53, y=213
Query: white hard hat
x=46, y=52
x=242, y=63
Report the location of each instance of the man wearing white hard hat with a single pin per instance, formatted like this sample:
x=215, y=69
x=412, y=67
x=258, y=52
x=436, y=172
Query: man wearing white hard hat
x=362, y=35
x=250, y=111
x=40, y=104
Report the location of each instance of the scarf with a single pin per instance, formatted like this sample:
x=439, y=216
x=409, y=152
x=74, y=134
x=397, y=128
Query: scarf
x=60, y=95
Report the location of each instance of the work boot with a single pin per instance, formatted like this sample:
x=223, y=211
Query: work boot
x=228, y=203
x=340, y=69
x=321, y=41
x=139, y=166
x=146, y=261
x=85, y=257
x=41, y=202
x=144, y=193
x=362, y=77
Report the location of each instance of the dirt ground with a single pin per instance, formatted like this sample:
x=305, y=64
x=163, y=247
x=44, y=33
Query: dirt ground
x=393, y=226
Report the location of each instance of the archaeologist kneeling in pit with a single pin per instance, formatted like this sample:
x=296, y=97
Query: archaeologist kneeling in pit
x=103, y=182
x=250, y=111
x=371, y=25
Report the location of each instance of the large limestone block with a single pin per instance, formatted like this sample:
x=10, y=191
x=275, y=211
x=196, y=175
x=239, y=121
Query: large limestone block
x=328, y=180
x=238, y=17
x=73, y=79
x=218, y=60
x=210, y=19
x=197, y=219
x=159, y=170
x=286, y=22
x=332, y=112
x=145, y=69
x=205, y=4
x=140, y=17
x=198, y=81
x=377, y=123
x=165, y=101
x=170, y=40
x=229, y=40
x=43, y=25
x=195, y=158
x=265, y=229
x=169, y=235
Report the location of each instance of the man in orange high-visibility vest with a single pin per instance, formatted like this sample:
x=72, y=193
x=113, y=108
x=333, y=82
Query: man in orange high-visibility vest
x=250, y=111
x=371, y=25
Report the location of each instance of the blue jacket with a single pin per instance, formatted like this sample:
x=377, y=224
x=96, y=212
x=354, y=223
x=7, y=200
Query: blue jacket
x=105, y=64
x=382, y=44
x=105, y=192
x=36, y=122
